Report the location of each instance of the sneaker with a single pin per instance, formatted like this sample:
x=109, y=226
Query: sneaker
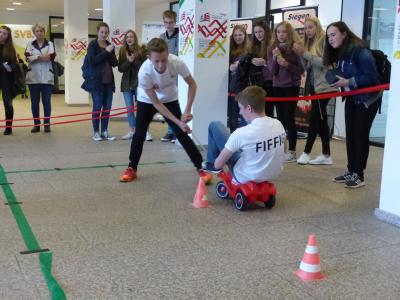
x=207, y=177
x=128, y=136
x=290, y=156
x=149, y=138
x=173, y=138
x=107, y=137
x=209, y=167
x=321, y=160
x=35, y=129
x=128, y=175
x=303, y=159
x=167, y=137
x=343, y=178
x=354, y=182
x=97, y=137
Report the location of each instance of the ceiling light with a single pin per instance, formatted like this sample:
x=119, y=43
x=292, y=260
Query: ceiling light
x=10, y=8
x=100, y=9
x=17, y=3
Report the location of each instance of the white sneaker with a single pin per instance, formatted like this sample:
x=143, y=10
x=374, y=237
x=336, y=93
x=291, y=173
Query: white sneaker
x=97, y=137
x=149, y=138
x=303, y=159
x=321, y=160
x=107, y=137
x=128, y=136
x=290, y=156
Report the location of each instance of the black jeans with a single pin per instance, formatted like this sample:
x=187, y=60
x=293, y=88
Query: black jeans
x=358, y=120
x=286, y=112
x=144, y=115
x=269, y=105
x=8, y=105
x=318, y=124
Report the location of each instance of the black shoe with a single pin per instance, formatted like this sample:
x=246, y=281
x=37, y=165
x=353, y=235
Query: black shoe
x=47, y=128
x=167, y=138
x=35, y=129
x=355, y=182
x=209, y=167
x=343, y=178
x=7, y=131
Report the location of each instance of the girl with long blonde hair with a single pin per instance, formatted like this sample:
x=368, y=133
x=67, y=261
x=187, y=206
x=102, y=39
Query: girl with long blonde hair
x=312, y=52
x=286, y=67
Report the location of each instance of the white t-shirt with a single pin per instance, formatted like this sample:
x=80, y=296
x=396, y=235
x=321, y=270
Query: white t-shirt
x=262, y=150
x=165, y=83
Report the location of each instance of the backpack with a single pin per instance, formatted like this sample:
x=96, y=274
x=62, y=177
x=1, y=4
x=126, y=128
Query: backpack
x=383, y=65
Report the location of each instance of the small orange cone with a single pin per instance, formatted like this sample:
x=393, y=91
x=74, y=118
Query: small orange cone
x=310, y=269
x=200, y=198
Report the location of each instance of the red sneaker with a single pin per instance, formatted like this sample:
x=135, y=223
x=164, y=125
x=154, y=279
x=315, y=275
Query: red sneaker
x=128, y=175
x=207, y=177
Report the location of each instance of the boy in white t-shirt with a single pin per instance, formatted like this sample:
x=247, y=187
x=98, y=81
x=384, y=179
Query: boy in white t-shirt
x=254, y=152
x=158, y=91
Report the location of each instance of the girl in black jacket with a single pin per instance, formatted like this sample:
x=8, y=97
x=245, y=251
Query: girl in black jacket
x=8, y=73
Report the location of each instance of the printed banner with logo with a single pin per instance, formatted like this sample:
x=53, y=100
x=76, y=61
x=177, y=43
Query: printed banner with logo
x=21, y=34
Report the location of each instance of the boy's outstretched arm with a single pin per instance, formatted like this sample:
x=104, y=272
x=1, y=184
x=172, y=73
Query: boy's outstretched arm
x=222, y=158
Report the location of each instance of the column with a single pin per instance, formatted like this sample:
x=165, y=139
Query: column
x=389, y=205
x=75, y=41
x=204, y=47
x=120, y=16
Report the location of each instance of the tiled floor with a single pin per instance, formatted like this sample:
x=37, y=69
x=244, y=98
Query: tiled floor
x=143, y=240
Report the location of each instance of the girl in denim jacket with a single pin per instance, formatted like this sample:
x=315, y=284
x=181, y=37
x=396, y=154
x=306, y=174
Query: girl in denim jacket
x=356, y=66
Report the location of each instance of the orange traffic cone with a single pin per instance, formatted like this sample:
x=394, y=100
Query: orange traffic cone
x=309, y=269
x=200, y=198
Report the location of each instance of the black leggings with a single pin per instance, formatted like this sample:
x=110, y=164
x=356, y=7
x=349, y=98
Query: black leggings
x=285, y=111
x=318, y=125
x=8, y=105
x=269, y=105
x=358, y=125
x=144, y=115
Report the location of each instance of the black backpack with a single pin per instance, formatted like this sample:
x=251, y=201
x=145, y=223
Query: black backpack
x=383, y=65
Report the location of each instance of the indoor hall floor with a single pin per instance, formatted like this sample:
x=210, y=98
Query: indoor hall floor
x=144, y=240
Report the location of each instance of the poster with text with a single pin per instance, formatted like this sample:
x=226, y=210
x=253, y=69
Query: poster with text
x=297, y=16
x=186, y=31
x=213, y=35
x=151, y=30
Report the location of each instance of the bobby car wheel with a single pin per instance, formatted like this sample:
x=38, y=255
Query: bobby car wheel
x=271, y=202
x=240, y=201
x=221, y=190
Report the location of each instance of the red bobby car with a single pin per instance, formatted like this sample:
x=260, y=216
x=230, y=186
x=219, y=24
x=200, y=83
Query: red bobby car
x=246, y=193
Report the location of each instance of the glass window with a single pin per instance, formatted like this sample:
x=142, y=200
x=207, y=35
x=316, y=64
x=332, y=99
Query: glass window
x=275, y=4
x=381, y=21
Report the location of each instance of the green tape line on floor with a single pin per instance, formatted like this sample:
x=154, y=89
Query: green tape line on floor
x=45, y=258
x=88, y=167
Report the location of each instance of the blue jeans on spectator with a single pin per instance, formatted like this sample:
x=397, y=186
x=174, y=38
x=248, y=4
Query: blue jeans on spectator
x=128, y=97
x=45, y=90
x=102, y=100
x=218, y=135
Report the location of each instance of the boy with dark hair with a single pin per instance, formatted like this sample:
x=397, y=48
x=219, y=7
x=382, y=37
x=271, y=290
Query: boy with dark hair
x=254, y=152
x=170, y=36
x=158, y=91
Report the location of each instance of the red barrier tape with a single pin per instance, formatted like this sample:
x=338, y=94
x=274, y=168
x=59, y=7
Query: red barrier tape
x=329, y=95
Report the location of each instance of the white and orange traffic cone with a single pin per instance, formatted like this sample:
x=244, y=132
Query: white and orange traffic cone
x=310, y=269
x=200, y=198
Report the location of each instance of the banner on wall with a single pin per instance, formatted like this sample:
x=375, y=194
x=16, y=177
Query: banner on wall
x=296, y=16
x=22, y=34
x=151, y=30
x=396, y=54
x=245, y=22
x=186, y=31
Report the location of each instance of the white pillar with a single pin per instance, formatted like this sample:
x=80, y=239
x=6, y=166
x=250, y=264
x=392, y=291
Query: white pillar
x=389, y=206
x=204, y=47
x=120, y=16
x=76, y=41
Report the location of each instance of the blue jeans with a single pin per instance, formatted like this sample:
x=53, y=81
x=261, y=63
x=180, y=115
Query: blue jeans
x=102, y=100
x=218, y=135
x=45, y=90
x=128, y=97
